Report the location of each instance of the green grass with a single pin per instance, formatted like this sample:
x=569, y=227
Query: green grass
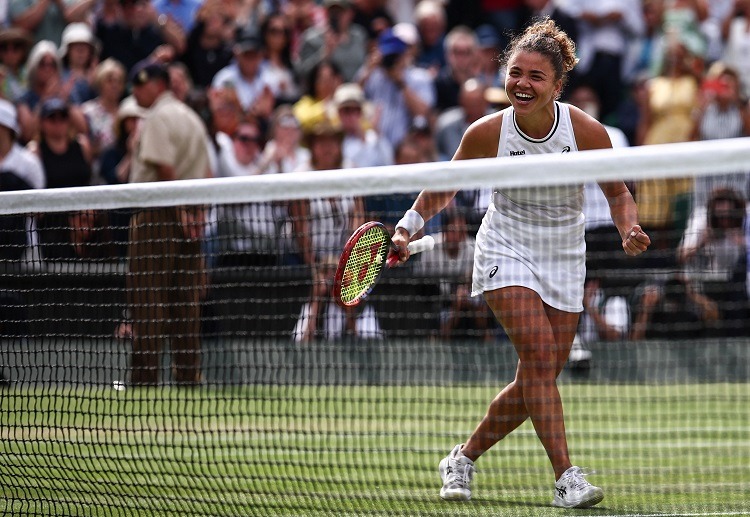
x=354, y=450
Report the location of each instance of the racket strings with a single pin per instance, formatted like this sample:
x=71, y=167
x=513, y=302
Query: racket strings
x=364, y=264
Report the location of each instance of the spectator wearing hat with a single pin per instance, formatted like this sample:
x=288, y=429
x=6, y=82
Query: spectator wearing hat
x=462, y=64
x=14, y=49
x=46, y=19
x=400, y=90
x=44, y=82
x=138, y=34
x=362, y=145
x=246, y=74
x=209, y=47
x=66, y=158
x=79, y=56
x=20, y=170
x=340, y=42
x=166, y=281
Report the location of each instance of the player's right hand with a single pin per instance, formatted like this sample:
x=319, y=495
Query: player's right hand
x=400, y=241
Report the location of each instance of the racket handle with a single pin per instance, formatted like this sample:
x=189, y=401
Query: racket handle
x=426, y=243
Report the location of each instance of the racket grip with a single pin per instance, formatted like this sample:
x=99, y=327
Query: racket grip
x=426, y=243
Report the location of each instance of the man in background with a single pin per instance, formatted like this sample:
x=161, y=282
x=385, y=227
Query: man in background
x=167, y=275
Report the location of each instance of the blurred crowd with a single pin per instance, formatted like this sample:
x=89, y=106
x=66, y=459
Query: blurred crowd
x=296, y=85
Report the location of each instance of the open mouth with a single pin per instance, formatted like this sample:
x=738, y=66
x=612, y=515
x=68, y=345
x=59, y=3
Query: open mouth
x=523, y=97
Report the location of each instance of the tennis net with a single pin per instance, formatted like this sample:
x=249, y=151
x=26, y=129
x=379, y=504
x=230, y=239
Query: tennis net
x=172, y=349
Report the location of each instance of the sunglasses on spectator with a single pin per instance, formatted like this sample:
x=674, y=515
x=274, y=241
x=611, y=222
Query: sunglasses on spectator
x=45, y=63
x=58, y=116
x=246, y=139
x=11, y=45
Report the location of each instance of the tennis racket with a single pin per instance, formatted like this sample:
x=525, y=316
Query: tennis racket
x=366, y=254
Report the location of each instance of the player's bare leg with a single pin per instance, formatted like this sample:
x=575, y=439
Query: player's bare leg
x=543, y=337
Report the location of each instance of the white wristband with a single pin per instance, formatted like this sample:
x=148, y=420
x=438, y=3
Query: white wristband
x=412, y=222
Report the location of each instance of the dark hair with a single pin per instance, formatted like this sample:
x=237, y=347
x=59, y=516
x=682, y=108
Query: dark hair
x=547, y=39
x=737, y=213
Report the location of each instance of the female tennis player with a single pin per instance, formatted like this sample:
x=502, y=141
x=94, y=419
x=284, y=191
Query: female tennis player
x=530, y=256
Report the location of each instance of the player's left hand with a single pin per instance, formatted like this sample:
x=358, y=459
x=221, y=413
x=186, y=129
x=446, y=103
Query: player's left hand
x=636, y=241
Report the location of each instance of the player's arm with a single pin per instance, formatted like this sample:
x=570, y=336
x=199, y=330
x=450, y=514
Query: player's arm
x=479, y=141
x=590, y=134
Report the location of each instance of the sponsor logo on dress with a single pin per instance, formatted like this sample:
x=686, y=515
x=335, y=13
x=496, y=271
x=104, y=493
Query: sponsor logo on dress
x=518, y=153
x=566, y=149
x=493, y=272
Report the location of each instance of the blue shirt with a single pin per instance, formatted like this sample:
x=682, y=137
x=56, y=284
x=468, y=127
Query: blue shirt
x=182, y=11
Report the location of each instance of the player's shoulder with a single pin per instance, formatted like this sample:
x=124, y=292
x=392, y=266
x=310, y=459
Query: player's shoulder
x=589, y=132
x=482, y=137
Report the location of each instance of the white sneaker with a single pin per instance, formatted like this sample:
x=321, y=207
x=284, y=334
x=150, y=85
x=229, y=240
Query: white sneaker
x=573, y=491
x=456, y=471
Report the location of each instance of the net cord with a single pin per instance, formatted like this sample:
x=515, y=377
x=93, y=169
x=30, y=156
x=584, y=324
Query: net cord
x=632, y=163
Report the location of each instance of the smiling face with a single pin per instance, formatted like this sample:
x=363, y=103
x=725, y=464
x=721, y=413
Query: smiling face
x=531, y=83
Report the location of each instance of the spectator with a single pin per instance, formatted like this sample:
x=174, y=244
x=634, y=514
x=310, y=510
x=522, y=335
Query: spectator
x=43, y=81
x=19, y=170
x=488, y=44
x=552, y=9
x=246, y=75
x=737, y=39
x=166, y=281
x=79, y=56
x=208, y=48
x=665, y=117
x=180, y=81
x=101, y=111
x=67, y=163
x=670, y=309
x=373, y=16
x=461, y=316
x=139, y=34
x=14, y=49
x=340, y=42
x=429, y=17
x=388, y=208
x=182, y=12
x=453, y=123
x=606, y=28
x=720, y=113
x=713, y=253
x=117, y=158
x=46, y=19
x=682, y=19
x=362, y=145
x=401, y=91
x=303, y=14
x=225, y=111
x=505, y=15
x=248, y=233
x=314, y=105
x=284, y=152
x=606, y=294
x=329, y=223
x=277, y=61
x=462, y=56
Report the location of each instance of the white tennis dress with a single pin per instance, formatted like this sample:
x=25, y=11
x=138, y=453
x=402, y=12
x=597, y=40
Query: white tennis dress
x=534, y=237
